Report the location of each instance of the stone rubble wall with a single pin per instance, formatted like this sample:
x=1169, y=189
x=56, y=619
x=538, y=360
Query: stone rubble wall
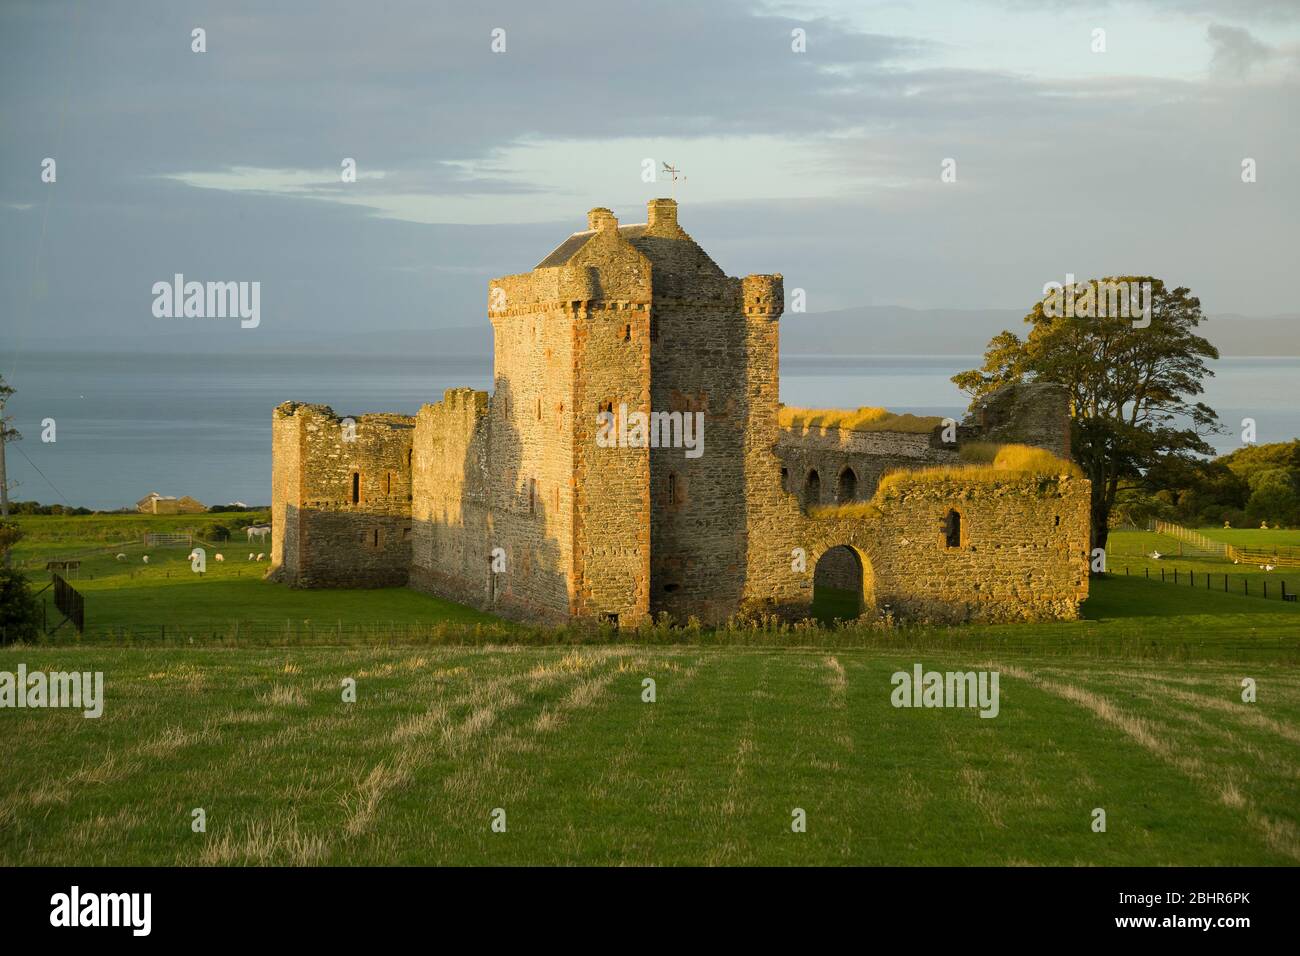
x=322, y=538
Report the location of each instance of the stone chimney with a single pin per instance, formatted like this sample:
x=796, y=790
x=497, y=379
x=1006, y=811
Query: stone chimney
x=661, y=215
x=600, y=219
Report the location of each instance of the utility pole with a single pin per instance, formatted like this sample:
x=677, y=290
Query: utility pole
x=7, y=434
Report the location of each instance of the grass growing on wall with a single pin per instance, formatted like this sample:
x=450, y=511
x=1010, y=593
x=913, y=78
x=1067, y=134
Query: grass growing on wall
x=864, y=419
x=986, y=464
x=850, y=509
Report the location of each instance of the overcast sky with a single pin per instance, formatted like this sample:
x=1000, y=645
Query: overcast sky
x=824, y=165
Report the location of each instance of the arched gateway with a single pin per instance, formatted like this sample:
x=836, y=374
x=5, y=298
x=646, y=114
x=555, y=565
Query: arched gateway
x=843, y=585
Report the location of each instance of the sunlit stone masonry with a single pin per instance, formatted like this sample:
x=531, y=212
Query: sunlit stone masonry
x=518, y=501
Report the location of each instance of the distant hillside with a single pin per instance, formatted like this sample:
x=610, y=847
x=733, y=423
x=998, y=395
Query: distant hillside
x=865, y=330
x=895, y=330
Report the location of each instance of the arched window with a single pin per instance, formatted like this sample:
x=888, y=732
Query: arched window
x=356, y=487
x=627, y=333
x=847, y=489
x=812, y=488
x=388, y=483
x=952, y=529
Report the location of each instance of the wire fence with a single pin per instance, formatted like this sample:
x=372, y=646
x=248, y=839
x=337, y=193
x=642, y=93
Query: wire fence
x=1219, y=581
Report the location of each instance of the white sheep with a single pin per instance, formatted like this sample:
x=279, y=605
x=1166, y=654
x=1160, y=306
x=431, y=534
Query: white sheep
x=1155, y=555
x=221, y=557
x=146, y=559
x=121, y=557
x=250, y=556
x=261, y=555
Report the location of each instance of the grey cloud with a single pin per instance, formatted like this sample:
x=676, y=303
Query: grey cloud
x=1235, y=51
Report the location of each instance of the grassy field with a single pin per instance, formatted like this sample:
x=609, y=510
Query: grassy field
x=1135, y=709
x=1131, y=550
x=586, y=772
x=56, y=536
x=1255, y=537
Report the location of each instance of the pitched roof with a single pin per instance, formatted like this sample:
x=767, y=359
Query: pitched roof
x=569, y=248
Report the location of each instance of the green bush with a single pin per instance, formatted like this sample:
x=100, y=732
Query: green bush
x=1273, y=498
x=20, y=612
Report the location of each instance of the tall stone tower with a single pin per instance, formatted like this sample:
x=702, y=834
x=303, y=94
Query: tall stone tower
x=621, y=320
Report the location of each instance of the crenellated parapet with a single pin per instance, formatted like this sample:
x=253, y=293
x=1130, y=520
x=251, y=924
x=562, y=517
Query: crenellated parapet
x=764, y=295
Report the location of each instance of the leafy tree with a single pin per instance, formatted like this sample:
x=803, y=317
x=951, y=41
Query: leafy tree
x=20, y=612
x=1198, y=491
x=1274, y=498
x=1130, y=383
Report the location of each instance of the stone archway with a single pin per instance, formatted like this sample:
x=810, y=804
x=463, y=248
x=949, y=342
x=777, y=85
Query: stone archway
x=846, y=489
x=812, y=489
x=843, y=586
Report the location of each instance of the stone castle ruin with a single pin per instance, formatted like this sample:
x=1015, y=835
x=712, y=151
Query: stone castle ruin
x=511, y=503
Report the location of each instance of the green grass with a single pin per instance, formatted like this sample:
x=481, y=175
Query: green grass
x=54, y=536
x=1255, y=537
x=1135, y=709
x=168, y=592
x=587, y=773
x=1131, y=549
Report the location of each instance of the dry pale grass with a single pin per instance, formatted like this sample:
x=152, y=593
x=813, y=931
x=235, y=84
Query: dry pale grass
x=973, y=784
x=362, y=804
x=837, y=681
x=183, y=675
x=1009, y=463
x=1230, y=796
x=283, y=696
x=865, y=419
x=429, y=724
x=102, y=825
x=263, y=842
x=109, y=770
x=850, y=509
x=168, y=742
x=586, y=693
x=549, y=719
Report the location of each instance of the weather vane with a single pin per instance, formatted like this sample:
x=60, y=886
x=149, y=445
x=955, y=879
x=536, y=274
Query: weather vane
x=674, y=171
